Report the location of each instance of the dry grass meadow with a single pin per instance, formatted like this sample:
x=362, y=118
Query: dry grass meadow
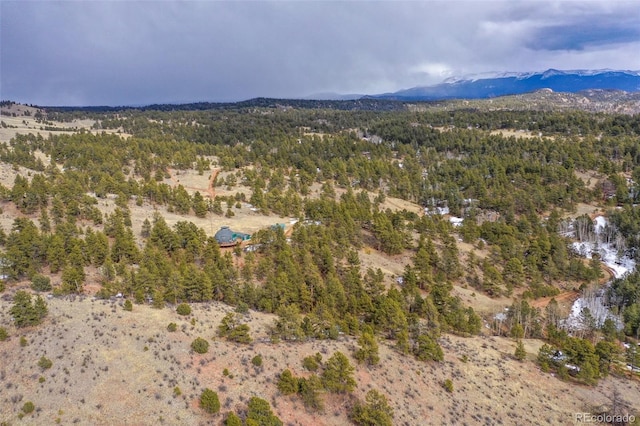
x=111, y=366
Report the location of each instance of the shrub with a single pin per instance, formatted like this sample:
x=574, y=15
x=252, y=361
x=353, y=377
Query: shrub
x=232, y=420
x=448, y=385
x=200, y=345
x=177, y=391
x=234, y=331
x=128, y=306
x=23, y=341
x=287, y=383
x=45, y=363
x=183, y=309
x=209, y=401
x=41, y=283
x=257, y=360
x=312, y=363
x=172, y=326
x=3, y=334
x=28, y=407
x=240, y=334
x=242, y=308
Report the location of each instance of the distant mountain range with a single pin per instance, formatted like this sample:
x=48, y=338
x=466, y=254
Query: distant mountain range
x=485, y=87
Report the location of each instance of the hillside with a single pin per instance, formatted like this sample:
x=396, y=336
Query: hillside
x=441, y=236
x=102, y=373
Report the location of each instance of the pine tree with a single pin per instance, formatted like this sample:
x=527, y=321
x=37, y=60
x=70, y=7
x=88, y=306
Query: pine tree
x=368, y=351
x=309, y=390
x=199, y=205
x=427, y=349
x=287, y=383
x=374, y=412
x=288, y=324
x=24, y=312
x=56, y=255
x=520, y=353
x=338, y=374
x=259, y=413
x=145, y=232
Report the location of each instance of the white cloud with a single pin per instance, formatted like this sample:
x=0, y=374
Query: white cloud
x=433, y=70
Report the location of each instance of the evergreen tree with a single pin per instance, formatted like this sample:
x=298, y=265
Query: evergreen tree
x=338, y=374
x=374, y=412
x=199, y=205
x=287, y=383
x=288, y=324
x=520, y=353
x=145, y=232
x=259, y=413
x=309, y=390
x=427, y=349
x=25, y=312
x=368, y=350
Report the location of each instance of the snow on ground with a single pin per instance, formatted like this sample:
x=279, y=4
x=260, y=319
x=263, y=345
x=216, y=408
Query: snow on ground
x=620, y=265
x=456, y=221
x=601, y=222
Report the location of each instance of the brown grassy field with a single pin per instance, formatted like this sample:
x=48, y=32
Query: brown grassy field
x=111, y=366
x=23, y=124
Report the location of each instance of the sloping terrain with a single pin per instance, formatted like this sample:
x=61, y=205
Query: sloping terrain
x=111, y=366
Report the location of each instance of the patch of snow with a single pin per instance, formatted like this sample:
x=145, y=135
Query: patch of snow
x=436, y=210
x=500, y=316
x=456, y=221
x=619, y=265
x=600, y=223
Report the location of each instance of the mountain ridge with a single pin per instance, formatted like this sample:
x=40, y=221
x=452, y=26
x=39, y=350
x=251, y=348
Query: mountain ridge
x=503, y=84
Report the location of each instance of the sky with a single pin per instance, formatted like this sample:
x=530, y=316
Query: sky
x=115, y=53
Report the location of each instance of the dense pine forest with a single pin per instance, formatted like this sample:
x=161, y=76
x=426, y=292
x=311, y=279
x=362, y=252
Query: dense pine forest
x=515, y=180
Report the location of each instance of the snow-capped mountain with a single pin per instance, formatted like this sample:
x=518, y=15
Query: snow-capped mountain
x=501, y=84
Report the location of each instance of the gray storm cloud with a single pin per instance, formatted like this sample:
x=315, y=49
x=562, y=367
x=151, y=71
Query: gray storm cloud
x=115, y=53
